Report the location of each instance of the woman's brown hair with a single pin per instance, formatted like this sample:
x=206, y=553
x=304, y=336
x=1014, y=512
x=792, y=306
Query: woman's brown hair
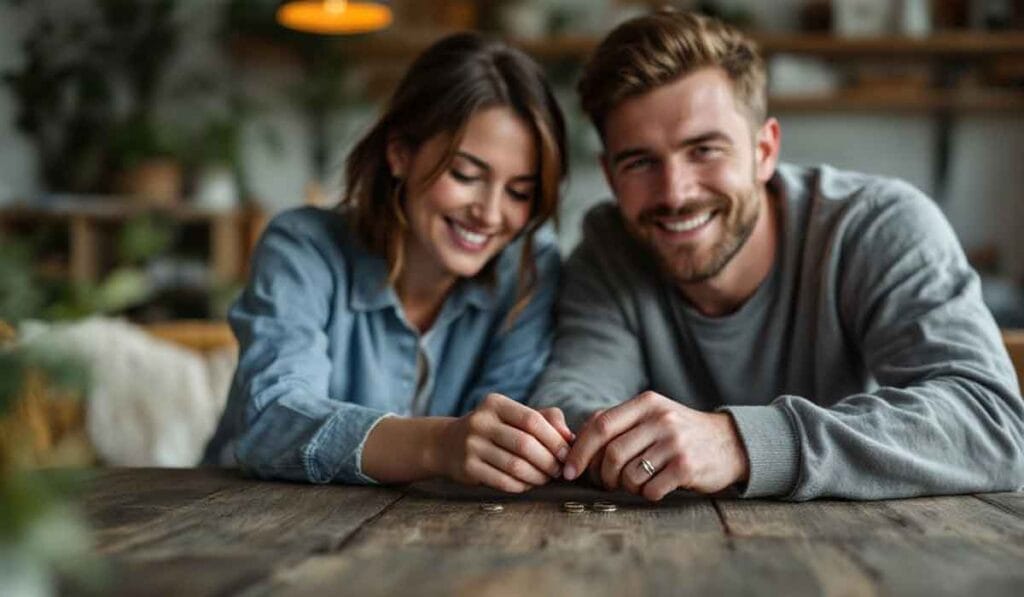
x=449, y=82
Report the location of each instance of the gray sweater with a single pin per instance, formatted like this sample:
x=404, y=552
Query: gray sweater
x=865, y=366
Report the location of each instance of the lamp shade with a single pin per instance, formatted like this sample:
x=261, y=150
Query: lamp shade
x=334, y=17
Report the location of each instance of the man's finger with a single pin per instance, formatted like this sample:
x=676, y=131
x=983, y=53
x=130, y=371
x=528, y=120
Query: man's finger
x=602, y=429
x=624, y=449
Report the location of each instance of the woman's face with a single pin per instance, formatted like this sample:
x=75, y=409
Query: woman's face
x=479, y=203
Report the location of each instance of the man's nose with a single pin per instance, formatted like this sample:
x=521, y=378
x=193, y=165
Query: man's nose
x=679, y=181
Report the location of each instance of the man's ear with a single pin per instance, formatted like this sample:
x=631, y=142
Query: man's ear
x=399, y=156
x=766, y=149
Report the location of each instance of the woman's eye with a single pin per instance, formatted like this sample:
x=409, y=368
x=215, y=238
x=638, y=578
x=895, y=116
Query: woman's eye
x=520, y=195
x=462, y=176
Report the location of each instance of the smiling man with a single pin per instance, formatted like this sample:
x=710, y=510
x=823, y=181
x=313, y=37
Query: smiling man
x=732, y=321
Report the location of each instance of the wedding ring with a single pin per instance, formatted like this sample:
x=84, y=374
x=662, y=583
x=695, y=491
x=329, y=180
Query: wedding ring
x=647, y=466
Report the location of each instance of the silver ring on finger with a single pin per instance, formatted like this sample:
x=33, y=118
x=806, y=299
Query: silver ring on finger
x=647, y=467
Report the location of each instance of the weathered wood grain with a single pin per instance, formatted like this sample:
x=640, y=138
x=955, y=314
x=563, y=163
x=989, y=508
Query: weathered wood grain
x=119, y=499
x=439, y=542
x=231, y=537
x=709, y=567
x=1012, y=502
x=948, y=516
x=210, y=532
x=951, y=545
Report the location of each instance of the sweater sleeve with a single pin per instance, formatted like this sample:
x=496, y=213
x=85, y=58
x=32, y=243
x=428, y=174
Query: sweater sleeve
x=597, y=358
x=947, y=415
x=290, y=428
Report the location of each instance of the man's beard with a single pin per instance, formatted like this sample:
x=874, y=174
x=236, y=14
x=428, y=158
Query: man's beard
x=687, y=269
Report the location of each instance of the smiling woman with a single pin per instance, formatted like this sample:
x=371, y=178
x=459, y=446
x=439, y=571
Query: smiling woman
x=394, y=338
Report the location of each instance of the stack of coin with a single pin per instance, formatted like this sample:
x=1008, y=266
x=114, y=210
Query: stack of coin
x=573, y=507
x=604, y=507
x=492, y=507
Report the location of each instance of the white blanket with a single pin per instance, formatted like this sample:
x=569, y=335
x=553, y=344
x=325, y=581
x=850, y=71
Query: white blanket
x=151, y=403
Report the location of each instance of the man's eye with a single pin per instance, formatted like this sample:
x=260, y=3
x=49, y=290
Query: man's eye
x=706, y=151
x=638, y=164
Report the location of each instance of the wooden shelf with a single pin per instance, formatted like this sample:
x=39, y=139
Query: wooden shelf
x=403, y=45
x=918, y=101
x=232, y=233
x=112, y=208
x=961, y=44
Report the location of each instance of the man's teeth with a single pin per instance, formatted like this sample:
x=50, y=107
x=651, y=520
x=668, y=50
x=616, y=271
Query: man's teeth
x=688, y=224
x=473, y=238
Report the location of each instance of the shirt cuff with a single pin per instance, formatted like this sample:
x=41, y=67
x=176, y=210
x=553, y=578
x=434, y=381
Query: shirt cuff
x=336, y=451
x=772, y=447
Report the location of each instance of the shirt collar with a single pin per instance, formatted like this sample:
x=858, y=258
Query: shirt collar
x=370, y=291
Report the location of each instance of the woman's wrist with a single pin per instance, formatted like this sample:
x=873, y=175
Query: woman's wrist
x=435, y=439
x=404, y=450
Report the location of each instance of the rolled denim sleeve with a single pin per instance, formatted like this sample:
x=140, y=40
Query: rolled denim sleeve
x=290, y=427
x=517, y=355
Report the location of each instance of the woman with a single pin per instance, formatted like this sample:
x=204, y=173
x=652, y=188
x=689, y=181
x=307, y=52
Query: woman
x=428, y=294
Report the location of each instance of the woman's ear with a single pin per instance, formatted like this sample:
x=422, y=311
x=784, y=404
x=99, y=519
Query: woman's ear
x=399, y=156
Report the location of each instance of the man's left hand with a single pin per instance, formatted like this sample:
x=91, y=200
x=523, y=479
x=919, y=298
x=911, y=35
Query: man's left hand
x=685, y=448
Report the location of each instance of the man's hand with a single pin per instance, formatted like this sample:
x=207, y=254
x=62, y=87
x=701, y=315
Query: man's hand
x=686, y=448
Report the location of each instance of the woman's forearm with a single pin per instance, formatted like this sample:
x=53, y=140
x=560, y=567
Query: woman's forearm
x=403, y=450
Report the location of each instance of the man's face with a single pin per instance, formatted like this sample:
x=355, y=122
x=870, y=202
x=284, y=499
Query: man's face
x=688, y=173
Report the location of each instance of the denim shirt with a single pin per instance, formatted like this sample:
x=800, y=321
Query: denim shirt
x=326, y=351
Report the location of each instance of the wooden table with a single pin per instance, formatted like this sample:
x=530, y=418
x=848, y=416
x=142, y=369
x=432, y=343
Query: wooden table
x=206, y=532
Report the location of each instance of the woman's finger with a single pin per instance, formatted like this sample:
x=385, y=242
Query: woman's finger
x=554, y=416
x=510, y=464
x=529, y=420
x=481, y=472
x=527, y=447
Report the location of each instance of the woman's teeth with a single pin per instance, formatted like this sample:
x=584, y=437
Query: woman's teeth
x=473, y=238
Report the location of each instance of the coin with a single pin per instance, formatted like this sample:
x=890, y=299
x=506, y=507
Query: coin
x=573, y=507
x=604, y=507
x=492, y=507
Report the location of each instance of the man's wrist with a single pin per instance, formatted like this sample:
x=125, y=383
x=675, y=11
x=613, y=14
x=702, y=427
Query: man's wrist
x=737, y=451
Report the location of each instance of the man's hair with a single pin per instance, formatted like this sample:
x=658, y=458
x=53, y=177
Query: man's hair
x=656, y=49
x=448, y=83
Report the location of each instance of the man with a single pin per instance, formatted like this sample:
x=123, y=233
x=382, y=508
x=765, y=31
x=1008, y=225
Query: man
x=793, y=332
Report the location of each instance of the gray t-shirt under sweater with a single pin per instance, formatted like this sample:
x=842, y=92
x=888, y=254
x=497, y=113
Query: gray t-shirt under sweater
x=865, y=366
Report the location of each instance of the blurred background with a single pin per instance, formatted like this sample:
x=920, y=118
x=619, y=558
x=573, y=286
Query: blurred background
x=145, y=143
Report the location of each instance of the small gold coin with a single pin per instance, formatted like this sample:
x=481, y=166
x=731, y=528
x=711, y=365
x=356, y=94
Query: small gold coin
x=604, y=507
x=492, y=507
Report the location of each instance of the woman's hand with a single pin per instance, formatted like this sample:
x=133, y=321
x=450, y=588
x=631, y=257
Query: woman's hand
x=505, y=445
